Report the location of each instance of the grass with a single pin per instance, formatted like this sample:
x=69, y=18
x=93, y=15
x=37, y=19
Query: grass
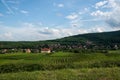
x=30, y=62
x=66, y=74
x=60, y=66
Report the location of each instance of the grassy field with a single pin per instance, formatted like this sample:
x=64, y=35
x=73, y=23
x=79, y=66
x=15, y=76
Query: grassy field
x=66, y=74
x=60, y=66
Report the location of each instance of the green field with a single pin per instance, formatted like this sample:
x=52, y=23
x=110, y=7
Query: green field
x=60, y=66
x=66, y=74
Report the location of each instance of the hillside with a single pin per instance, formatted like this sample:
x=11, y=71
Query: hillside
x=98, y=38
x=104, y=38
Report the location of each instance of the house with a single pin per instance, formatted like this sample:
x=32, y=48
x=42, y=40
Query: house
x=4, y=51
x=27, y=50
x=45, y=50
x=115, y=47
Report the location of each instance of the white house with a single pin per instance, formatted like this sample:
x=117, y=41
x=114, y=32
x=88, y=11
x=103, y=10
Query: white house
x=27, y=50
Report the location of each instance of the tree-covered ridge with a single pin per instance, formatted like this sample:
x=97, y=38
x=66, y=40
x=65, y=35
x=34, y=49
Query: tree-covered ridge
x=109, y=37
x=104, y=39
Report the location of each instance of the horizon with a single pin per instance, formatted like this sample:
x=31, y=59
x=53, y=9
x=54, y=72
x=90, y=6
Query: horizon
x=61, y=37
x=24, y=20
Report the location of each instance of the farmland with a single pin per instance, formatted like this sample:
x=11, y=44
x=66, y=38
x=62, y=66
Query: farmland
x=60, y=66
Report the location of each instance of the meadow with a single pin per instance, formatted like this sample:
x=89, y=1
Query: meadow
x=60, y=66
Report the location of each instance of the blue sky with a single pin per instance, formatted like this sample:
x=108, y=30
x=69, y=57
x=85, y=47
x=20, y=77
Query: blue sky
x=32, y=20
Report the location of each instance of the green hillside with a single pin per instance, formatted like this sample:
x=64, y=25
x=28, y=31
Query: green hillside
x=98, y=38
x=104, y=38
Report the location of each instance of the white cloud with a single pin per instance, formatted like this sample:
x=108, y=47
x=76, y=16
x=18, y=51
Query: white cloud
x=114, y=19
x=76, y=23
x=72, y=16
x=24, y=11
x=27, y=24
x=98, y=29
x=8, y=35
x=99, y=13
x=29, y=31
x=84, y=11
x=60, y=5
x=74, y=19
x=112, y=3
x=100, y=4
x=91, y=20
x=33, y=32
x=109, y=13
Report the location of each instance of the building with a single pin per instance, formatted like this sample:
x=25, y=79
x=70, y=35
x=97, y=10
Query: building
x=45, y=50
x=4, y=51
x=27, y=50
x=115, y=47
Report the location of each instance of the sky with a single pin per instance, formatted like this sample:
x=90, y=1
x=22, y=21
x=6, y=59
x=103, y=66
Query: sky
x=34, y=20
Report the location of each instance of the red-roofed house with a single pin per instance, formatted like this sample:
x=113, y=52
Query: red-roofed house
x=45, y=50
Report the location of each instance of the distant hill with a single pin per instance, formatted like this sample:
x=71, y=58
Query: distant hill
x=97, y=38
x=104, y=38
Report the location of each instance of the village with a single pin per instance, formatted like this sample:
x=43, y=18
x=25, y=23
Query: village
x=51, y=48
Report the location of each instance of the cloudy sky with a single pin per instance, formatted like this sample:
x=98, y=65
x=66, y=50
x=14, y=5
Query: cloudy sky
x=32, y=20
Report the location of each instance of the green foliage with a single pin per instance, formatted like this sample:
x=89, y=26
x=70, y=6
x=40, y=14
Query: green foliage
x=105, y=38
x=60, y=60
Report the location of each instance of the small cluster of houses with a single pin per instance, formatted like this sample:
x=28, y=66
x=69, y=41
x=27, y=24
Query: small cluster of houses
x=42, y=50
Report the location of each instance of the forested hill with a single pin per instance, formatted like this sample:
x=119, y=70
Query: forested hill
x=104, y=38
x=98, y=38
